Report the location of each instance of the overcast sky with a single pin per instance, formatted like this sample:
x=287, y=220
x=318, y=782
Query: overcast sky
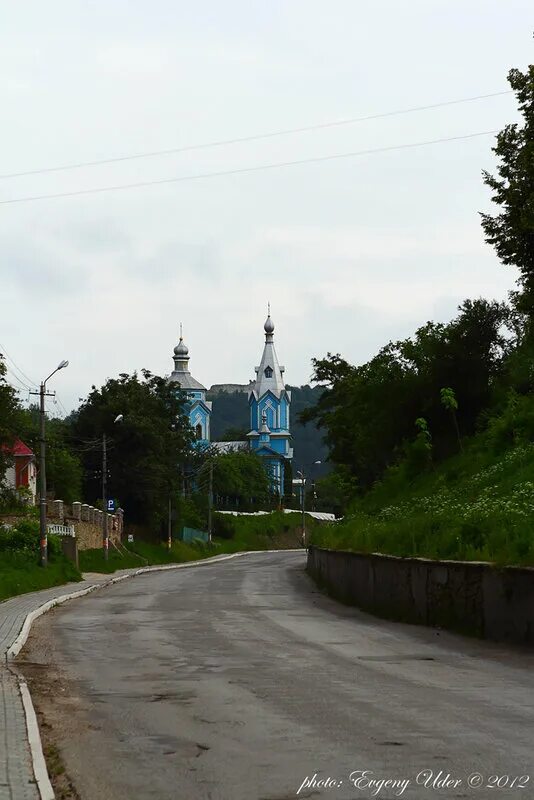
x=350, y=252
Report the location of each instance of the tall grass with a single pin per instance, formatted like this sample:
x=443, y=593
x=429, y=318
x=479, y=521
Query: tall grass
x=475, y=507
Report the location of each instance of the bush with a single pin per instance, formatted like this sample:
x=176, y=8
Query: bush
x=21, y=538
x=223, y=526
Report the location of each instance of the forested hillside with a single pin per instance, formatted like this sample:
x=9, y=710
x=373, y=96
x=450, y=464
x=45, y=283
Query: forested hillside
x=433, y=438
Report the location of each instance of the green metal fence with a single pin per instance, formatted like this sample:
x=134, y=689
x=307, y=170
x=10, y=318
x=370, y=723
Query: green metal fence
x=191, y=535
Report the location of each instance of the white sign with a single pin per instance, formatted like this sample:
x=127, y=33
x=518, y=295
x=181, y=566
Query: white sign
x=130, y=538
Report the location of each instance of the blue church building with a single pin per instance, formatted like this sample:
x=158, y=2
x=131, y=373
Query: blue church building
x=269, y=404
x=198, y=408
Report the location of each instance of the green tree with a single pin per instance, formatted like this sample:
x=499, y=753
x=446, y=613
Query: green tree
x=146, y=451
x=234, y=434
x=366, y=412
x=240, y=480
x=511, y=231
x=9, y=425
x=449, y=401
x=335, y=491
x=63, y=466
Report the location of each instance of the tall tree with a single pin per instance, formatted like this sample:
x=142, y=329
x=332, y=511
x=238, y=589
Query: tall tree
x=9, y=422
x=146, y=451
x=367, y=412
x=63, y=465
x=511, y=231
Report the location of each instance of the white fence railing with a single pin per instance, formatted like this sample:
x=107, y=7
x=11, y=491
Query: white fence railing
x=61, y=530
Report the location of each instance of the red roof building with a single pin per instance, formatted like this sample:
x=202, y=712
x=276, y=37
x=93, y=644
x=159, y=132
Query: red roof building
x=22, y=475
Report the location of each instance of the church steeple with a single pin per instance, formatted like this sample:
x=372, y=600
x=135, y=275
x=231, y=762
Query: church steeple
x=269, y=404
x=269, y=375
x=197, y=407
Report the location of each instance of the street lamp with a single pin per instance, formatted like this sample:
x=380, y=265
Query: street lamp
x=303, y=500
x=105, y=534
x=43, y=535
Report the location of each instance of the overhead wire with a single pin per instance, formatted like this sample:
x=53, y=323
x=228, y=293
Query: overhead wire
x=244, y=170
x=4, y=352
x=252, y=137
x=11, y=374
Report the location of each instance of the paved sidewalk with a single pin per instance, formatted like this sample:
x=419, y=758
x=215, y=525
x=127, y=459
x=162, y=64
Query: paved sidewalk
x=16, y=772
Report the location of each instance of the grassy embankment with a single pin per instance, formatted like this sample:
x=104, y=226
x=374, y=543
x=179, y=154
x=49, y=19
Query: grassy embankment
x=475, y=506
x=20, y=571
x=19, y=561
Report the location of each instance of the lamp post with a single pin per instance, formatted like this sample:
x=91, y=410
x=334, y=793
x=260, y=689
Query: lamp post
x=105, y=534
x=303, y=500
x=43, y=535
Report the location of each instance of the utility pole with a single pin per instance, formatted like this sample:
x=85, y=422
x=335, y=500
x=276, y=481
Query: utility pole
x=210, y=503
x=42, y=478
x=105, y=537
x=169, y=525
x=105, y=533
x=303, y=504
x=43, y=533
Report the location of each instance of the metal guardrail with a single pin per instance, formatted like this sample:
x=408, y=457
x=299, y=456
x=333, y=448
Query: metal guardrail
x=61, y=530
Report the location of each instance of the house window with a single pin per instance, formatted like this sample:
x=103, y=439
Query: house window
x=198, y=431
x=268, y=372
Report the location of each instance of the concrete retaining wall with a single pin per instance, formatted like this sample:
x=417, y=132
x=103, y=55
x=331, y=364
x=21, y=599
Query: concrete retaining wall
x=473, y=598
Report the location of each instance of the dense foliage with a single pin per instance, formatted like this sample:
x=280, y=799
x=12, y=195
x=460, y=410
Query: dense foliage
x=369, y=412
x=19, y=561
x=63, y=464
x=511, y=231
x=437, y=431
x=9, y=423
x=147, y=450
x=240, y=481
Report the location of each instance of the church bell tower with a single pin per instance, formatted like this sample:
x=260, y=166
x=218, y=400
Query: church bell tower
x=269, y=404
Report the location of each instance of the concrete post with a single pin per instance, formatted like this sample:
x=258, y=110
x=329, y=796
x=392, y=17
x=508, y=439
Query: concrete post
x=57, y=509
x=77, y=510
x=85, y=512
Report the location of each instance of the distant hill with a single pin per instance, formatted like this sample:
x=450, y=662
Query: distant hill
x=230, y=410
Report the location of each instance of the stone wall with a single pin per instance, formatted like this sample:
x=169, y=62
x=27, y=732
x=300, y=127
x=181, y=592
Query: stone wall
x=87, y=522
x=470, y=597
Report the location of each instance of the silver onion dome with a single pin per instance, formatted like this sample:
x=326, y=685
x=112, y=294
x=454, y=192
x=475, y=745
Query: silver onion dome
x=181, y=349
x=269, y=325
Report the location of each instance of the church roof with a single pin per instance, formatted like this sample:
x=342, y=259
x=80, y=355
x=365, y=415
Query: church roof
x=186, y=381
x=180, y=373
x=269, y=375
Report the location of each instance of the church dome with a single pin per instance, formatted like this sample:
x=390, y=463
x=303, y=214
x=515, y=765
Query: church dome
x=269, y=325
x=181, y=349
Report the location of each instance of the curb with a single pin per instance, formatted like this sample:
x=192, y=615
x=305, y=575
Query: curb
x=40, y=770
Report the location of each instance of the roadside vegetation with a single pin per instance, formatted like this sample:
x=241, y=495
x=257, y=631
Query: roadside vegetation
x=432, y=440
x=19, y=561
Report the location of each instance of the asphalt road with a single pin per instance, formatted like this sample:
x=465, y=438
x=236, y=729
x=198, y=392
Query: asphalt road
x=237, y=681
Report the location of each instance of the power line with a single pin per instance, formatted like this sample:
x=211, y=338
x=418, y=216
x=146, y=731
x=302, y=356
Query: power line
x=242, y=170
x=252, y=138
x=11, y=374
x=62, y=407
x=4, y=351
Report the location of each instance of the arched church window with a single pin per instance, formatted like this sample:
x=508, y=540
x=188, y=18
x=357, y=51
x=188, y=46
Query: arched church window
x=268, y=372
x=198, y=431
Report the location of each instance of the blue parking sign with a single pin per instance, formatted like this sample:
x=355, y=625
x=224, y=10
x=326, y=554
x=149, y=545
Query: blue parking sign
x=111, y=505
